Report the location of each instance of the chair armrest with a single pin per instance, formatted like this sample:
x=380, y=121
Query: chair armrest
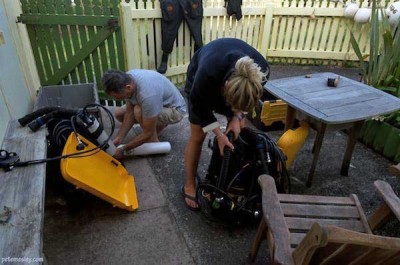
x=388, y=195
x=389, y=208
x=316, y=237
x=275, y=220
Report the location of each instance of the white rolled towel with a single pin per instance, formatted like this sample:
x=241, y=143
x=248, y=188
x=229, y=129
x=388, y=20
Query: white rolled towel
x=148, y=149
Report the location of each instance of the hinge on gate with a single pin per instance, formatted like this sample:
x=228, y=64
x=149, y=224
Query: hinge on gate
x=112, y=23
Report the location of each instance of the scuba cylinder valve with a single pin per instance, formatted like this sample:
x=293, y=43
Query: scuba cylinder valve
x=97, y=132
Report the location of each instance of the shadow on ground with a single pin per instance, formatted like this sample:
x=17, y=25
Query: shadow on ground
x=80, y=228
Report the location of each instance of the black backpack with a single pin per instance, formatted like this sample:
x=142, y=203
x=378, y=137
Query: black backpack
x=230, y=190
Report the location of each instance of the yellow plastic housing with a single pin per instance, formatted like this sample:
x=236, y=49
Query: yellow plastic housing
x=272, y=111
x=292, y=140
x=99, y=174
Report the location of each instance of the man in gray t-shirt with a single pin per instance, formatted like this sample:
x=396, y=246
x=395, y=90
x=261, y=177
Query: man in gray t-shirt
x=151, y=100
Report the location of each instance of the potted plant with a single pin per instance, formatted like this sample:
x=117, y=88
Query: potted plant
x=382, y=71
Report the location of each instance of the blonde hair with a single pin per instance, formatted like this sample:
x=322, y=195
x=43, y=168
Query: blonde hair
x=244, y=88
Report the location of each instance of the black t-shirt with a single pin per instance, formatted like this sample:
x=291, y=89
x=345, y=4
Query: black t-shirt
x=208, y=70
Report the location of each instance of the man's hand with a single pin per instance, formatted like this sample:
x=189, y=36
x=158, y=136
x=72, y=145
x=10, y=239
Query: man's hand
x=234, y=126
x=223, y=141
x=119, y=154
x=117, y=141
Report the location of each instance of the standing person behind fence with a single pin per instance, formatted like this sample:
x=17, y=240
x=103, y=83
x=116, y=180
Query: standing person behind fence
x=151, y=101
x=225, y=76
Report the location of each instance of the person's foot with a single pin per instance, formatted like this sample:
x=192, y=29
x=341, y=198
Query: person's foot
x=395, y=170
x=164, y=64
x=189, y=195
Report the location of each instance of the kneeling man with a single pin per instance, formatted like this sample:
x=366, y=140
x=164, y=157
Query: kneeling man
x=151, y=101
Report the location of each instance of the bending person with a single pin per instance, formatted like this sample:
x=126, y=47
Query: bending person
x=151, y=101
x=225, y=76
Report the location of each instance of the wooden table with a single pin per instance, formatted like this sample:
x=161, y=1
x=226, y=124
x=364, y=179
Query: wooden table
x=346, y=106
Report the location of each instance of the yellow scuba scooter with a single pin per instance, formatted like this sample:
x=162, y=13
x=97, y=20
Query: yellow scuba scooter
x=98, y=173
x=84, y=164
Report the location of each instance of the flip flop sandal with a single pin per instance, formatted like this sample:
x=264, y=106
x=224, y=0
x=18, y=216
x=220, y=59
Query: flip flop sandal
x=186, y=196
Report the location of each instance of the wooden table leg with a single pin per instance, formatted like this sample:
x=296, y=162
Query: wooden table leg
x=290, y=117
x=351, y=142
x=317, y=149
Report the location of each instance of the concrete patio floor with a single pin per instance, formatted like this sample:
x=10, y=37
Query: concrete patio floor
x=87, y=230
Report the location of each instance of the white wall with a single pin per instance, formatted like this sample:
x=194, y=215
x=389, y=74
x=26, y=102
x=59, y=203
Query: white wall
x=18, y=75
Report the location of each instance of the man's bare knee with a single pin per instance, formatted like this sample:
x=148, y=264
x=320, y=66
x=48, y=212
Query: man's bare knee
x=119, y=114
x=137, y=111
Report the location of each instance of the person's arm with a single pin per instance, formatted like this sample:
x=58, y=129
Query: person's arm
x=149, y=130
x=236, y=123
x=151, y=108
x=127, y=123
x=222, y=140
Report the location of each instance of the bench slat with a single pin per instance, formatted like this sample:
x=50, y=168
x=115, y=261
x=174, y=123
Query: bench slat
x=22, y=191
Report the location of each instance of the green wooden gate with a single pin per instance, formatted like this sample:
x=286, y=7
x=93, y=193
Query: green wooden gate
x=74, y=41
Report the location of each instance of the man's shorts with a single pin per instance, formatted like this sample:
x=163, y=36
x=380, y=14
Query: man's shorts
x=167, y=116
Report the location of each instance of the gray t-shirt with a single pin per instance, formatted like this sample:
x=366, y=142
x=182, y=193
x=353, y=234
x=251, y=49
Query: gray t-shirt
x=153, y=92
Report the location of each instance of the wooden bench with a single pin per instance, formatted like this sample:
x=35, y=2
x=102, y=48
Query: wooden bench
x=22, y=196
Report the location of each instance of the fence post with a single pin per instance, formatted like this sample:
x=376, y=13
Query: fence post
x=266, y=29
x=130, y=37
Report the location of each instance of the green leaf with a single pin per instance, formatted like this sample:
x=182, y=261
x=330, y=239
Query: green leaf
x=357, y=50
x=389, y=80
x=388, y=89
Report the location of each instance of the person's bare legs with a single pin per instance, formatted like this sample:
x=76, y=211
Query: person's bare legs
x=160, y=128
x=394, y=170
x=137, y=110
x=192, y=158
x=120, y=113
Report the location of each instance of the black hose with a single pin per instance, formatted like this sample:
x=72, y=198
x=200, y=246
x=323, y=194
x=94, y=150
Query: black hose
x=261, y=148
x=40, y=112
x=225, y=164
x=35, y=124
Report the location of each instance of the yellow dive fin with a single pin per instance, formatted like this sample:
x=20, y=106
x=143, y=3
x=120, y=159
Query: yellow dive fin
x=99, y=174
x=292, y=140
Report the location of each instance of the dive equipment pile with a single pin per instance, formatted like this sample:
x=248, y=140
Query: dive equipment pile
x=86, y=159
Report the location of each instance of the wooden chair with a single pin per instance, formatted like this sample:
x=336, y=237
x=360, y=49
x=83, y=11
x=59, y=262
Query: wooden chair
x=305, y=229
